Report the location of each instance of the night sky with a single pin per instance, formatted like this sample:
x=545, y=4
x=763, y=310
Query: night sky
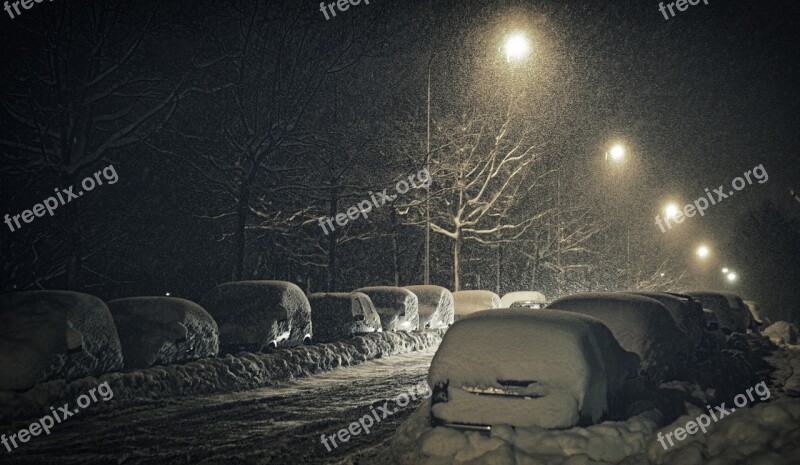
x=696, y=100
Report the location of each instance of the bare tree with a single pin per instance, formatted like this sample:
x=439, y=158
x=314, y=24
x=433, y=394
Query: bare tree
x=87, y=90
x=476, y=174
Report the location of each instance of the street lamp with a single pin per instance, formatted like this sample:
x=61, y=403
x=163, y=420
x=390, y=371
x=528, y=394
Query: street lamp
x=725, y=271
x=703, y=251
x=731, y=276
x=616, y=153
x=671, y=211
x=516, y=47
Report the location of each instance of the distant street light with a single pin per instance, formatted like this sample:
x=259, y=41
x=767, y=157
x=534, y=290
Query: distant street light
x=671, y=211
x=616, y=153
x=516, y=47
x=703, y=251
x=731, y=276
x=725, y=271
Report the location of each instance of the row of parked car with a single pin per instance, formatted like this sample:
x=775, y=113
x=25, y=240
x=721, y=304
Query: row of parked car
x=65, y=335
x=570, y=361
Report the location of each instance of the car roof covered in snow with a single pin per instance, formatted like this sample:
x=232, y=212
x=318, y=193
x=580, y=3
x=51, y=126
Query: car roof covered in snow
x=475, y=300
x=522, y=296
x=641, y=325
x=560, y=350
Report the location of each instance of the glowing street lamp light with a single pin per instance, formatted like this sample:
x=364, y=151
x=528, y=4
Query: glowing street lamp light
x=616, y=153
x=725, y=271
x=731, y=276
x=517, y=47
x=671, y=211
x=703, y=252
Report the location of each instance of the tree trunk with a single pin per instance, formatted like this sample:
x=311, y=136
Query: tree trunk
x=498, y=269
x=242, y=211
x=395, y=246
x=456, y=263
x=534, y=268
x=332, y=263
x=74, y=265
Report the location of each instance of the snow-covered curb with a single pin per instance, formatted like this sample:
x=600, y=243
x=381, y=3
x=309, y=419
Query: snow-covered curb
x=214, y=375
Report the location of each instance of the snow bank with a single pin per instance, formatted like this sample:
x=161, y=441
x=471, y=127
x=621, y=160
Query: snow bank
x=559, y=367
x=436, y=307
x=339, y=315
x=766, y=434
x=397, y=307
x=416, y=443
x=253, y=315
x=512, y=297
x=163, y=330
x=781, y=332
x=467, y=302
x=640, y=324
x=215, y=375
x=55, y=334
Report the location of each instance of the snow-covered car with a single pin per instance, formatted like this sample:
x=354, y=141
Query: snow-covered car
x=515, y=367
x=527, y=299
x=163, y=331
x=729, y=308
x=758, y=321
x=336, y=316
x=256, y=315
x=397, y=307
x=641, y=325
x=436, y=307
x=467, y=302
x=686, y=312
x=55, y=335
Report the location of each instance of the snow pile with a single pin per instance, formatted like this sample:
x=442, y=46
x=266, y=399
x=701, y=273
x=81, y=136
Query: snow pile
x=163, y=330
x=339, y=315
x=640, y=324
x=512, y=297
x=55, y=334
x=766, y=434
x=562, y=368
x=467, y=302
x=436, y=308
x=781, y=332
x=253, y=315
x=416, y=443
x=215, y=375
x=397, y=307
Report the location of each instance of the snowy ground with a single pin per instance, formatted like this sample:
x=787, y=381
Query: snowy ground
x=283, y=424
x=278, y=425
